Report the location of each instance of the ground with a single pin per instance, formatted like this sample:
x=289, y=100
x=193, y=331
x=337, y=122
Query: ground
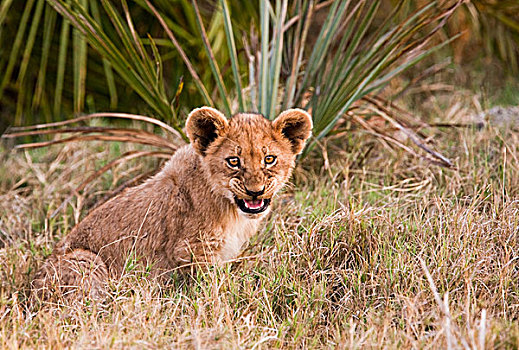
x=368, y=249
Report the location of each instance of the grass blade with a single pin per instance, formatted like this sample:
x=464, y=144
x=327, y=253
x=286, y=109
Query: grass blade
x=20, y=82
x=264, y=66
x=229, y=34
x=299, y=47
x=136, y=40
x=212, y=60
x=110, y=80
x=194, y=75
x=131, y=44
x=4, y=9
x=79, y=66
x=48, y=30
x=278, y=55
x=123, y=158
x=13, y=56
x=159, y=83
x=111, y=138
x=136, y=133
x=62, y=63
x=384, y=113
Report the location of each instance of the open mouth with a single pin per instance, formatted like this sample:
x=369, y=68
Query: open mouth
x=252, y=206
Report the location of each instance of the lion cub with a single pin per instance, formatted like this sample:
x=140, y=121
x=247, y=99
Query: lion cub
x=205, y=203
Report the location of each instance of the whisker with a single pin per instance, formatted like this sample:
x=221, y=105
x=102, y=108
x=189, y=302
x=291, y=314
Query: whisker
x=238, y=187
x=270, y=187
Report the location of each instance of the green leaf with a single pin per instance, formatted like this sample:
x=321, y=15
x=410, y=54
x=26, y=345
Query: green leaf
x=229, y=35
x=13, y=55
x=212, y=61
x=79, y=67
x=264, y=59
x=20, y=82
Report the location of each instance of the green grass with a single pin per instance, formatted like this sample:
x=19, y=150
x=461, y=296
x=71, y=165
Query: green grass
x=508, y=96
x=338, y=263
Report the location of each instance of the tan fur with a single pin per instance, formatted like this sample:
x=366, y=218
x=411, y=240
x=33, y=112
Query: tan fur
x=187, y=212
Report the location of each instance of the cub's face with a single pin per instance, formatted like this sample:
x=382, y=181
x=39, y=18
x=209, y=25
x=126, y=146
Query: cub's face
x=249, y=157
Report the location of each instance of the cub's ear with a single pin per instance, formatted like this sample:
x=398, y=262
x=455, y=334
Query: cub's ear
x=203, y=126
x=296, y=125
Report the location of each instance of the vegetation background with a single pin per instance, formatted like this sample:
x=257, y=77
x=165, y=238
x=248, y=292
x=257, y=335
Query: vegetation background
x=401, y=227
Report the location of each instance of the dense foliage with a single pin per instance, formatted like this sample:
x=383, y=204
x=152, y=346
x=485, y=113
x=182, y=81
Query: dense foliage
x=75, y=56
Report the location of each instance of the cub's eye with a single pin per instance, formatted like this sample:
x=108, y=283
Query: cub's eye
x=233, y=162
x=270, y=160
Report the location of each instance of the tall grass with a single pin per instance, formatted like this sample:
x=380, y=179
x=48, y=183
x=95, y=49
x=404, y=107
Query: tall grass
x=367, y=250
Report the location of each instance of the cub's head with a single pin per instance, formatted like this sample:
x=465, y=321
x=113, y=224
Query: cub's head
x=249, y=157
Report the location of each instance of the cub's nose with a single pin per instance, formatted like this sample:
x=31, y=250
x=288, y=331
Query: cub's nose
x=255, y=193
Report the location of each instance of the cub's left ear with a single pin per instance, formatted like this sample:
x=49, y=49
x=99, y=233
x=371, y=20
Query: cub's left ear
x=296, y=125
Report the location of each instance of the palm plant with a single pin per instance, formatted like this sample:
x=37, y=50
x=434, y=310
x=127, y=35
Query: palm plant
x=279, y=64
x=48, y=71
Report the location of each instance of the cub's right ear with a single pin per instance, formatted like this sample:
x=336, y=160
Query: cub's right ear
x=296, y=125
x=203, y=126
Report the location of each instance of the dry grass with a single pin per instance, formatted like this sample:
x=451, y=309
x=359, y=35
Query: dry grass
x=369, y=249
